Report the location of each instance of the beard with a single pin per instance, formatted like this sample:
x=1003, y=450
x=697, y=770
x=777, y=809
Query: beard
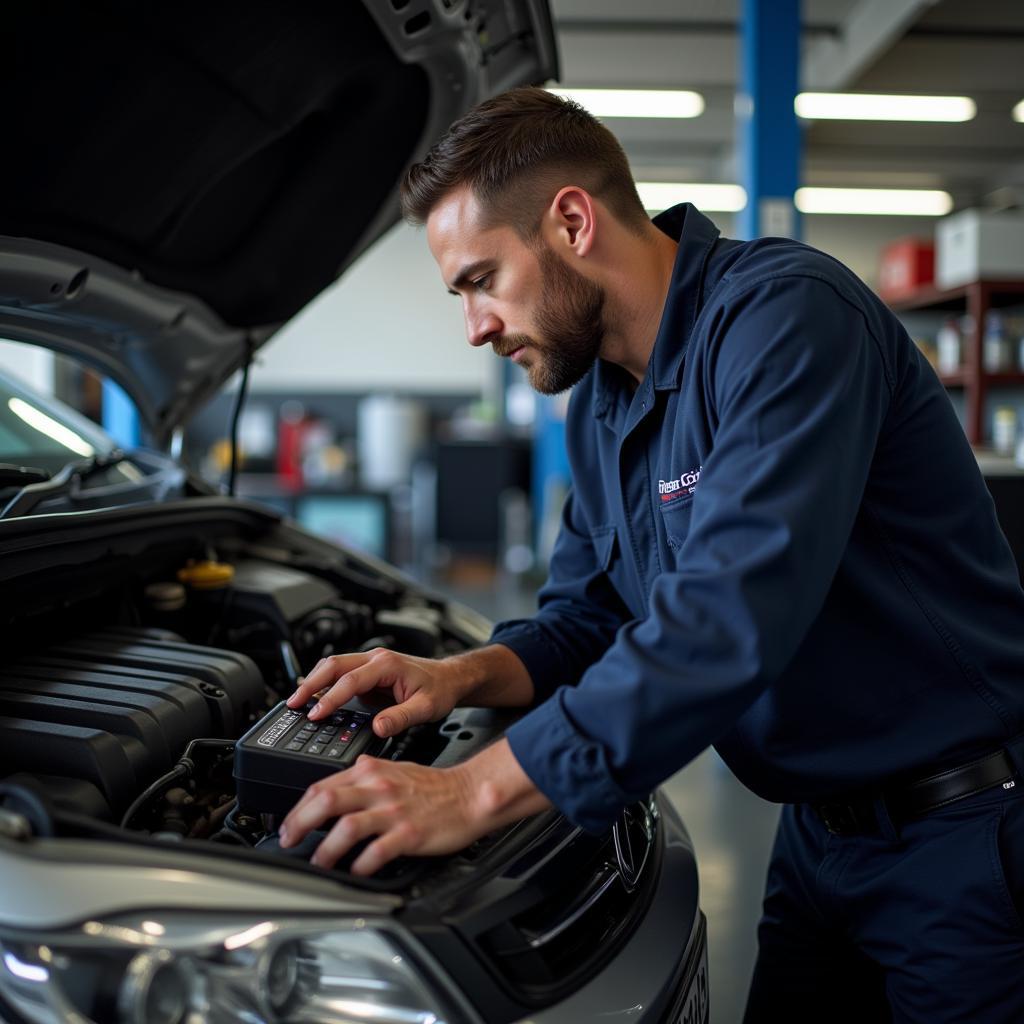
x=570, y=327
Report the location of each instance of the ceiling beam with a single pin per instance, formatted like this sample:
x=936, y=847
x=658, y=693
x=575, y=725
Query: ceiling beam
x=869, y=29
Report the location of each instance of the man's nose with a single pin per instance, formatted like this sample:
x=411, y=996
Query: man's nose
x=482, y=327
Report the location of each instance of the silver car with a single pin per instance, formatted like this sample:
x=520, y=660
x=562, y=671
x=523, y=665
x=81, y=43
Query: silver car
x=179, y=182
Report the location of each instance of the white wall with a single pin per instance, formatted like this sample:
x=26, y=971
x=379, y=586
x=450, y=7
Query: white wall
x=389, y=323
x=28, y=363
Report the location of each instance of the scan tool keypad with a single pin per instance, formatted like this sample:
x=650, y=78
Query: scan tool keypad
x=331, y=737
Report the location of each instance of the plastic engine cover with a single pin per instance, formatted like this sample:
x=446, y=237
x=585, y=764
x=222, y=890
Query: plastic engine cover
x=96, y=719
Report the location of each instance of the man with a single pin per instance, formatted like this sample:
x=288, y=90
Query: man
x=778, y=542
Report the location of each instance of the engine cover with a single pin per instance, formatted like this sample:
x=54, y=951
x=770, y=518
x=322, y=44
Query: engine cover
x=96, y=719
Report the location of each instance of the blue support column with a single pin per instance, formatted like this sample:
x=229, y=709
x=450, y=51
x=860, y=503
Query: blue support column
x=769, y=142
x=120, y=417
x=551, y=475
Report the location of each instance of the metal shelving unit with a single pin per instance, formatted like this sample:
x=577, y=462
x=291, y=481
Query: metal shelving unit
x=975, y=299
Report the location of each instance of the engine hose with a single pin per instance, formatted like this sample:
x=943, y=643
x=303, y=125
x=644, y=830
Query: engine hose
x=184, y=769
x=179, y=771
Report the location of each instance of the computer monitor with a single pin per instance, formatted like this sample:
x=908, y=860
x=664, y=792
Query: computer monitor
x=361, y=519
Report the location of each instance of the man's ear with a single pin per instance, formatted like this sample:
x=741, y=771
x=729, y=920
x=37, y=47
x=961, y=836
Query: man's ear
x=571, y=220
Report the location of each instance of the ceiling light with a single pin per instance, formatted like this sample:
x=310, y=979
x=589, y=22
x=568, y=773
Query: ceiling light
x=1018, y=111
x=660, y=195
x=848, y=106
x=909, y=202
x=636, y=102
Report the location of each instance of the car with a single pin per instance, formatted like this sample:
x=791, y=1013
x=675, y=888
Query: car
x=181, y=181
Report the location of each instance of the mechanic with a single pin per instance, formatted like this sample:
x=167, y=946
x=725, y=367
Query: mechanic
x=778, y=542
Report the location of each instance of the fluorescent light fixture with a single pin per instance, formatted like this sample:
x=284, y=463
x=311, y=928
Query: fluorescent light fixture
x=849, y=106
x=660, y=195
x=50, y=427
x=907, y=202
x=1018, y=112
x=636, y=102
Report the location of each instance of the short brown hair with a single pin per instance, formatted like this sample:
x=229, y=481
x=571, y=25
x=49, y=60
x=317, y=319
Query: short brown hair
x=516, y=151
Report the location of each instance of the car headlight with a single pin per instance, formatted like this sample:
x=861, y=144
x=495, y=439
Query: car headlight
x=183, y=969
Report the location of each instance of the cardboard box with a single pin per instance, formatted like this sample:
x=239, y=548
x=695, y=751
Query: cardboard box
x=976, y=245
x=907, y=265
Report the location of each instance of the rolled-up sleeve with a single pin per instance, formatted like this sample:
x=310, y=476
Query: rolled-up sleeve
x=799, y=390
x=579, y=611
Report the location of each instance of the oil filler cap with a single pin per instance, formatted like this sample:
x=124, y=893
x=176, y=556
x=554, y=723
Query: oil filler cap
x=207, y=575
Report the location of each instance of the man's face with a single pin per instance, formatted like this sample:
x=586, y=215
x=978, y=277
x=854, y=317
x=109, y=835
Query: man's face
x=524, y=300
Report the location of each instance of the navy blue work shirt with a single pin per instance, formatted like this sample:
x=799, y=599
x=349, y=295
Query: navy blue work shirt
x=779, y=543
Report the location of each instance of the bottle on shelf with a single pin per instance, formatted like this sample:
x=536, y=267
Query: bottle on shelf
x=949, y=345
x=997, y=353
x=1004, y=430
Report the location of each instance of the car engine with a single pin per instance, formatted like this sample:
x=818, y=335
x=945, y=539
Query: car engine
x=146, y=646
x=122, y=706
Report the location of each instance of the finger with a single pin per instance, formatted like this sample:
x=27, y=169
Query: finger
x=325, y=799
x=380, y=669
x=384, y=849
x=320, y=803
x=417, y=709
x=308, y=685
x=348, y=831
x=326, y=671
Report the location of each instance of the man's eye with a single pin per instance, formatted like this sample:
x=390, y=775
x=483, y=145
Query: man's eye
x=482, y=282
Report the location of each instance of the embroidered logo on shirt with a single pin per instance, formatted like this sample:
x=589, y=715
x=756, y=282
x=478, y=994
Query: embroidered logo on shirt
x=685, y=484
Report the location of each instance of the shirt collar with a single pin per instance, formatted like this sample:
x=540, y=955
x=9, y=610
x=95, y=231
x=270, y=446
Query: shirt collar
x=696, y=236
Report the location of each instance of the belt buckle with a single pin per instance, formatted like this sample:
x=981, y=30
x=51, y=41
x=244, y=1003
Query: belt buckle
x=840, y=819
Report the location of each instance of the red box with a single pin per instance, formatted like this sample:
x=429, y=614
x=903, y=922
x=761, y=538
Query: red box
x=908, y=265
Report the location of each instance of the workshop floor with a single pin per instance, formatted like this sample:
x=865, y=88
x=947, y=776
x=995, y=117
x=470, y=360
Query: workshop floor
x=732, y=831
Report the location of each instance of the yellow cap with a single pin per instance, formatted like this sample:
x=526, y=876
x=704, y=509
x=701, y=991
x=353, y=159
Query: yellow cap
x=207, y=575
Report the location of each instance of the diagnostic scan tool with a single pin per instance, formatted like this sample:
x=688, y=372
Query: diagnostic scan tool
x=284, y=753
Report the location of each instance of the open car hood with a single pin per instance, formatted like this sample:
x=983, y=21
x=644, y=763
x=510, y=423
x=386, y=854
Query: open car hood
x=181, y=179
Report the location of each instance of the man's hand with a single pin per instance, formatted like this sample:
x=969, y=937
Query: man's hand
x=424, y=690
x=412, y=810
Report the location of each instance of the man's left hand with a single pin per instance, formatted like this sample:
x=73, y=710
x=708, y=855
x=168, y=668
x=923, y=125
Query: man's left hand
x=412, y=810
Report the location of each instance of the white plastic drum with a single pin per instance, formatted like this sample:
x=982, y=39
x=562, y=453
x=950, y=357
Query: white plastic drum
x=391, y=431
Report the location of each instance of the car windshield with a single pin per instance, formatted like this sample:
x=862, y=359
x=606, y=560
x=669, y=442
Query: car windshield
x=44, y=433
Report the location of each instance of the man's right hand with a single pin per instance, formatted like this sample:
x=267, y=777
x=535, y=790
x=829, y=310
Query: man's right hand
x=424, y=690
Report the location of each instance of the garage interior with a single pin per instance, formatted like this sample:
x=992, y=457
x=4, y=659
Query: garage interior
x=370, y=421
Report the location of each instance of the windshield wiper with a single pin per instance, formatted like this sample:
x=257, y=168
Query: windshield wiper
x=64, y=481
x=12, y=475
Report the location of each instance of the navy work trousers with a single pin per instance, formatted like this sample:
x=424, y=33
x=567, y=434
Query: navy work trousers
x=920, y=924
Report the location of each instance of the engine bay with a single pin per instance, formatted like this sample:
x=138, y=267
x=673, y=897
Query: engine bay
x=123, y=701
x=145, y=646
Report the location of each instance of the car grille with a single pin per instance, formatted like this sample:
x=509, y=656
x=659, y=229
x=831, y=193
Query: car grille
x=576, y=910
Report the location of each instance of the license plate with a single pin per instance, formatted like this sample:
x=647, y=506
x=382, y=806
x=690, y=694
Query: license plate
x=695, y=1003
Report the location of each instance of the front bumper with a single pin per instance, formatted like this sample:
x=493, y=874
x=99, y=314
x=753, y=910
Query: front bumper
x=660, y=974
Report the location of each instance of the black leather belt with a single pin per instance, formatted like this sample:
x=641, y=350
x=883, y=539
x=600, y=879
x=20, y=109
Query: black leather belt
x=858, y=816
